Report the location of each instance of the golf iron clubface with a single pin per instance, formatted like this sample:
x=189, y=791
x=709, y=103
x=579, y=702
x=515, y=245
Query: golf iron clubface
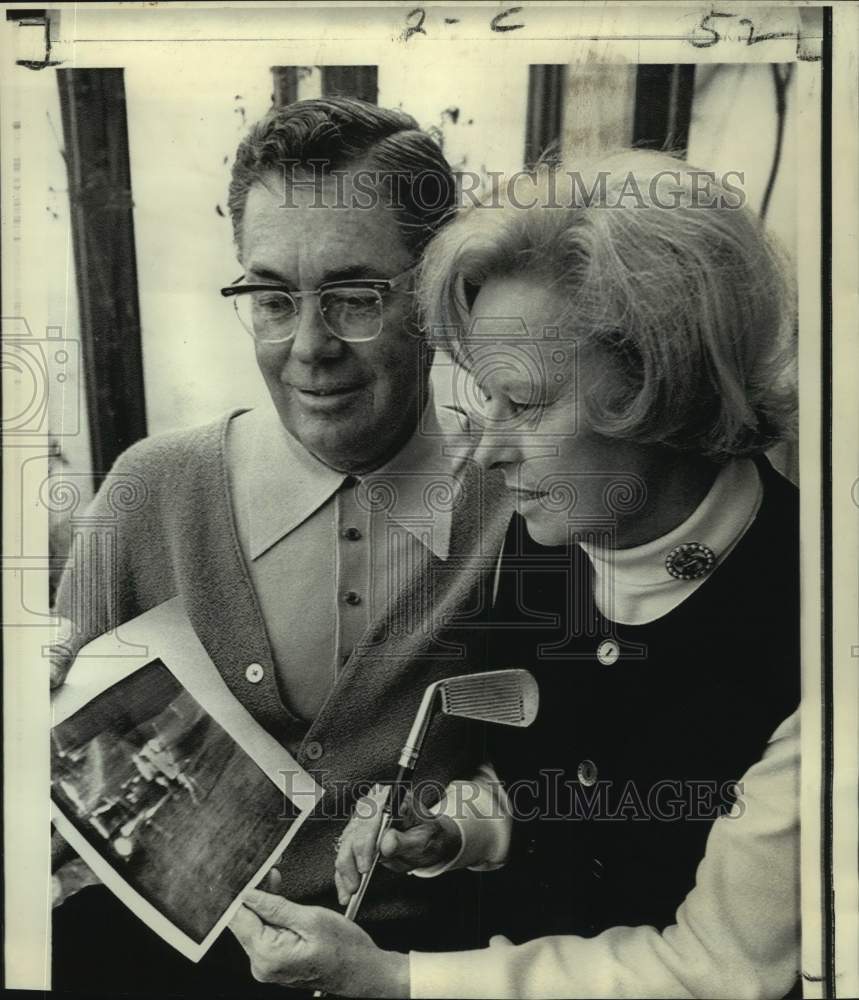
x=505, y=697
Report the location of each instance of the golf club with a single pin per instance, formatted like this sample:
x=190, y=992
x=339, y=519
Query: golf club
x=505, y=697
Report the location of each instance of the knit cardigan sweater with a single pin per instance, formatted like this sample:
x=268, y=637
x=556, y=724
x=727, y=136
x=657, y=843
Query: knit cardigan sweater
x=162, y=524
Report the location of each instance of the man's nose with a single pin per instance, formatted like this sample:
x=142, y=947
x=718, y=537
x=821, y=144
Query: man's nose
x=313, y=341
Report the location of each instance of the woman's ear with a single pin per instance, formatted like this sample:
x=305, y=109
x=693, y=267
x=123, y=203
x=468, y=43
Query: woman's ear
x=616, y=348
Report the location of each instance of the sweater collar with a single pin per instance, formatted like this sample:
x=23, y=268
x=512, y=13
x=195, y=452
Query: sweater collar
x=290, y=484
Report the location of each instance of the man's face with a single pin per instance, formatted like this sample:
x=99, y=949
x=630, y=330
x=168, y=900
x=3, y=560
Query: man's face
x=352, y=405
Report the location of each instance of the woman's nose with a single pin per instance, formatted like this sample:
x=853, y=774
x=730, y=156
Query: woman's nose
x=495, y=448
x=313, y=340
x=495, y=445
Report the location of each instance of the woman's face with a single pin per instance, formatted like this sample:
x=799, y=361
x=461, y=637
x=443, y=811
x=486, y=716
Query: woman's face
x=530, y=380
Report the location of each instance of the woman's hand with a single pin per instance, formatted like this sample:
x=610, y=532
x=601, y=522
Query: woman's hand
x=310, y=947
x=421, y=843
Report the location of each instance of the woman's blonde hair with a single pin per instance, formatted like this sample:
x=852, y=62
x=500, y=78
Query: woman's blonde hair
x=673, y=284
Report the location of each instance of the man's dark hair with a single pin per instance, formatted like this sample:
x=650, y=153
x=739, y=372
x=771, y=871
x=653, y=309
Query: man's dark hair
x=335, y=133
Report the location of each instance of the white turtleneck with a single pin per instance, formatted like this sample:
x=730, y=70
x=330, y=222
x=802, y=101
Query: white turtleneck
x=633, y=586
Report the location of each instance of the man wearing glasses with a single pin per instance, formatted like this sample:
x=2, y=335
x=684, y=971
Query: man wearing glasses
x=331, y=551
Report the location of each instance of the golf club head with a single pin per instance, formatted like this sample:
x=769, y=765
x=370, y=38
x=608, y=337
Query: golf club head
x=506, y=697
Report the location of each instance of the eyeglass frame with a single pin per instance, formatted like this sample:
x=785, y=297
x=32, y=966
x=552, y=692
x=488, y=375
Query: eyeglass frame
x=380, y=285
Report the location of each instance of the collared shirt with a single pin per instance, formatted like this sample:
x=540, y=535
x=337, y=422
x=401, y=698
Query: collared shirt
x=326, y=551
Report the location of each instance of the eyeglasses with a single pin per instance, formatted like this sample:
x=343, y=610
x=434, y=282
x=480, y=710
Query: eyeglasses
x=351, y=310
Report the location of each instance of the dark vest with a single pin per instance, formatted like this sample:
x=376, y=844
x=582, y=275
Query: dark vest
x=618, y=782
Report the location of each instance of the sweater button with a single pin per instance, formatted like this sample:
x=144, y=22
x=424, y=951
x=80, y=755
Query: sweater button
x=352, y=597
x=608, y=652
x=352, y=534
x=254, y=673
x=313, y=750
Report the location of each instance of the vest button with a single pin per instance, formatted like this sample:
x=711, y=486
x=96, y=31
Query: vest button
x=352, y=534
x=351, y=597
x=587, y=773
x=254, y=673
x=597, y=868
x=608, y=652
x=313, y=750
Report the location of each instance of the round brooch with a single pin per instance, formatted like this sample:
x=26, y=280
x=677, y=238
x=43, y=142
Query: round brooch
x=690, y=561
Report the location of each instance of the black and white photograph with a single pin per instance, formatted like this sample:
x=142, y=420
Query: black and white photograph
x=163, y=793
x=167, y=792
x=430, y=492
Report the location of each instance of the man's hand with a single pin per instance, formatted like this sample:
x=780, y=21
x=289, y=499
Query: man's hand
x=60, y=655
x=310, y=947
x=69, y=873
x=71, y=878
x=420, y=844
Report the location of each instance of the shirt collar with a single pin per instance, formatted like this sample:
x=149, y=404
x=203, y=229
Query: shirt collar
x=639, y=585
x=289, y=484
x=421, y=480
x=286, y=483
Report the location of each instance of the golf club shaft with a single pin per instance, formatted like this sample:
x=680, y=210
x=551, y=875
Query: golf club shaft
x=390, y=812
x=357, y=897
x=358, y=894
